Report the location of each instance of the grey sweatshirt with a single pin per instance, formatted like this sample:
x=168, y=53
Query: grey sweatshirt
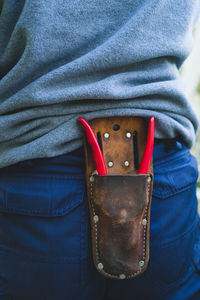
x=63, y=59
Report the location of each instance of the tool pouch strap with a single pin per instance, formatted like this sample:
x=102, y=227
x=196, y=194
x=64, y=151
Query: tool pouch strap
x=119, y=203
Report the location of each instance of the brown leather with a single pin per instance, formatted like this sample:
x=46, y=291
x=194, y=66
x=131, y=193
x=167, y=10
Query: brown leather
x=118, y=148
x=119, y=202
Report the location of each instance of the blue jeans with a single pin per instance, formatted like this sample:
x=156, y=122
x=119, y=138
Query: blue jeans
x=45, y=250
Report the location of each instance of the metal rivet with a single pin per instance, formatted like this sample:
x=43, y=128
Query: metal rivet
x=126, y=163
x=149, y=179
x=106, y=135
x=144, y=222
x=110, y=164
x=100, y=266
x=91, y=178
x=128, y=135
x=96, y=218
x=141, y=263
x=122, y=276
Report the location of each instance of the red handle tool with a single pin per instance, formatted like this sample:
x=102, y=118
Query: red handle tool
x=148, y=151
x=98, y=156
x=96, y=150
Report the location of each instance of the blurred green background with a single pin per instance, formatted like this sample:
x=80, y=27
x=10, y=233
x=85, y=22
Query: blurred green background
x=190, y=74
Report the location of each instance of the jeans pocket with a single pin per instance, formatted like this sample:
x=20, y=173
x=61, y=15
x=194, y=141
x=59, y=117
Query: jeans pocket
x=196, y=254
x=174, y=174
x=171, y=263
x=43, y=235
x=173, y=219
x=41, y=217
x=174, y=202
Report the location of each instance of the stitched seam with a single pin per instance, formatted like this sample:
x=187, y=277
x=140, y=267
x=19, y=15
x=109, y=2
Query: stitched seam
x=146, y=217
x=166, y=160
x=172, y=241
x=96, y=236
x=39, y=258
x=46, y=212
x=46, y=176
x=173, y=192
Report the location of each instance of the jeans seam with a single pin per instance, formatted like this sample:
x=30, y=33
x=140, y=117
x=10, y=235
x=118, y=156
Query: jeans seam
x=165, y=159
x=174, y=192
x=54, y=177
x=171, y=241
x=188, y=272
x=39, y=258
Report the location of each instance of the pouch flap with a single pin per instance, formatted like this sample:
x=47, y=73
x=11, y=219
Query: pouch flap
x=120, y=211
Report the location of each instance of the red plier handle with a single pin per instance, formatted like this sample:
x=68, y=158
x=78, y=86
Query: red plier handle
x=98, y=156
x=148, y=151
x=96, y=150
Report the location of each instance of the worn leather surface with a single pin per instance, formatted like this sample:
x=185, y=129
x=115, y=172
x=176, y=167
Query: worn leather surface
x=119, y=202
x=118, y=148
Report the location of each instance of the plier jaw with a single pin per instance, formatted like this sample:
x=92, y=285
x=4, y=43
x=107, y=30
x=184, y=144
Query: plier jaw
x=98, y=156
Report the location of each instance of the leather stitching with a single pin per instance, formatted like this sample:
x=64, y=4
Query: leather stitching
x=96, y=236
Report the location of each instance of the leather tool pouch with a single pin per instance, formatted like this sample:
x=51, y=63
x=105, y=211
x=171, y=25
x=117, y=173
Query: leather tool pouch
x=119, y=202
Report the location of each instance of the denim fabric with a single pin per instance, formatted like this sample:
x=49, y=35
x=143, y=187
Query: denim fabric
x=45, y=250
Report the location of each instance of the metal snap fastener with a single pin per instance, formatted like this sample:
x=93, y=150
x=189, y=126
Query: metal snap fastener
x=91, y=178
x=141, y=263
x=122, y=276
x=110, y=164
x=106, y=135
x=126, y=163
x=96, y=218
x=144, y=222
x=128, y=135
x=100, y=266
x=149, y=179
